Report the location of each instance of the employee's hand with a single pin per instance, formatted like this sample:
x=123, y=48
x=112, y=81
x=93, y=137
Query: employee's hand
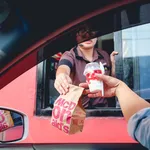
x=62, y=83
x=112, y=56
x=110, y=86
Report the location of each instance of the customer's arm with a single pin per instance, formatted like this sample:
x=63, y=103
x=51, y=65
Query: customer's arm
x=139, y=127
x=135, y=109
x=137, y=112
x=129, y=101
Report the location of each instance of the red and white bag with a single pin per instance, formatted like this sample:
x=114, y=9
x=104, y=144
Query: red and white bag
x=68, y=114
x=6, y=120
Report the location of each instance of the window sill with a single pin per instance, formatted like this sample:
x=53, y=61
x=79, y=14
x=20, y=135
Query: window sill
x=98, y=112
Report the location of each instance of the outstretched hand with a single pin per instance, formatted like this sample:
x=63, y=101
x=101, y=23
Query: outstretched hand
x=110, y=86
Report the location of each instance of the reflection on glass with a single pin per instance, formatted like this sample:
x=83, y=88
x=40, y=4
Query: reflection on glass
x=11, y=126
x=135, y=58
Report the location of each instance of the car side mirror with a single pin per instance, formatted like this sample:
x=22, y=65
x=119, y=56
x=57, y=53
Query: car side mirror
x=13, y=126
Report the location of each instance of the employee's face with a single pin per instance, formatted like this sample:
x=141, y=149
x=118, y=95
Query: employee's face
x=88, y=44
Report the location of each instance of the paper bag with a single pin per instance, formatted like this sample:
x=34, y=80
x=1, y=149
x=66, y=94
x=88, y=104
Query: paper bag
x=68, y=114
x=6, y=120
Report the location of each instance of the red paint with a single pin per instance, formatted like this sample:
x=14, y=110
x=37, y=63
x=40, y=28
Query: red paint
x=13, y=133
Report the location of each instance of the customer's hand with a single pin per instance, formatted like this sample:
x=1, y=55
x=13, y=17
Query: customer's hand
x=110, y=86
x=62, y=83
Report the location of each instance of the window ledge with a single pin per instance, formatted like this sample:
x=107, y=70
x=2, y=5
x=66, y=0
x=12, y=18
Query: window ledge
x=98, y=112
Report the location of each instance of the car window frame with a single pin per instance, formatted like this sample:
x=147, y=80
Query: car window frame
x=41, y=110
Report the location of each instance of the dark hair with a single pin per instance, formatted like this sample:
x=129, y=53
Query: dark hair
x=84, y=32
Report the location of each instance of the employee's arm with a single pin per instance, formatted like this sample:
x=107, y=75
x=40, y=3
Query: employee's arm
x=63, y=69
x=62, y=79
x=63, y=73
x=112, y=59
x=113, y=73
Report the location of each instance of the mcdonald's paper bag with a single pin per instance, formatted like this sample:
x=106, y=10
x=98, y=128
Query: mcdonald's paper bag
x=68, y=114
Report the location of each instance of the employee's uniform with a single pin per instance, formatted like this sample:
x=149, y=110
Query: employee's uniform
x=76, y=61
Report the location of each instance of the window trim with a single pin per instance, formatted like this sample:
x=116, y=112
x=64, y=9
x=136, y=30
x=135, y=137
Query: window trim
x=41, y=79
x=41, y=72
x=42, y=110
